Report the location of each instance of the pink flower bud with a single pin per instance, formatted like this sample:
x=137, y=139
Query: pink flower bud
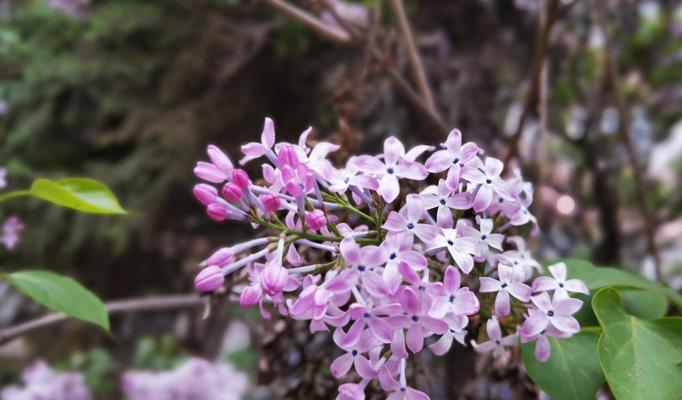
x=220, y=160
x=273, y=279
x=209, y=172
x=250, y=296
x=287, y=156
x=241, y=178
x=220, y=257
x=315, y=219
x=232, y=192
x=216, y=212
x=271, y=202
x=209, y=279
x=206, y=194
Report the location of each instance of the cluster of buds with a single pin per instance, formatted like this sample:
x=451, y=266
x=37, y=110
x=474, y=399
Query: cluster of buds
x=392, y=254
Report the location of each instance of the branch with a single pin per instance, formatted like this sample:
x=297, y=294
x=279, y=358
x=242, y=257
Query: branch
x=413, y=54
x=404, y=89
x=536, y=72
x=412, y=98
x=336, y=35
x=624, y=135
x=129, y=305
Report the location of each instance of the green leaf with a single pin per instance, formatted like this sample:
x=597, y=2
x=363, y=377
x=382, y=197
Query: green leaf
x=647, y=304
x=600, y=277
x=640, y=358
x=572, y=371
x=61, y=293
x=81, y=194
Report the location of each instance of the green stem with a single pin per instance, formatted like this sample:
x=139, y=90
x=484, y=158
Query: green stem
x=591, y=329
x=16, y=193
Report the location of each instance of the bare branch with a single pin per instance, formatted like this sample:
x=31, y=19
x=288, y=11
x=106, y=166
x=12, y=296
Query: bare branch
x=536, y=72
x=334, y=34
x=613, y=79
x=413, y=99
x=412, y=54
x=119, y=306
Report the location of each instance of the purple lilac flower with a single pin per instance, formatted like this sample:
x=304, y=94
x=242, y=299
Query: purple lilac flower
x=557, y=313
x=509, y=283
x=558, y=282
x=193, y=379
x=39, y=381
x=11, y=230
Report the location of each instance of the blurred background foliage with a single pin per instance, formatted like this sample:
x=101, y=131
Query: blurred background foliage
x=131, y=92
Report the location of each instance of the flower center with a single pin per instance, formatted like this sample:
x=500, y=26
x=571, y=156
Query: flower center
x=504, y=285
x=497, y=342
x=410, y=226
x=452, y=298
x=561, y=285
x=484, y=237
x=392, y=256
x=455, y=161
x=450, y=242
x=361, y=268
x=488, y=181
x=550, y=313
x=366, y=315
x=442, y=202
x=415, y=318
x=389, y=171
x=354, y=353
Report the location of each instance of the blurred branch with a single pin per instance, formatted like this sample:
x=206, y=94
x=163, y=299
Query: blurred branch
x=157, y=303
x=613, y=80
x=413, y=55
x=535, y=78
x=350, y=38
x=335, y=35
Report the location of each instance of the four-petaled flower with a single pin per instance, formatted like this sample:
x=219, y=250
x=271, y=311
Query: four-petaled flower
x=508, y=284
x=558, y=283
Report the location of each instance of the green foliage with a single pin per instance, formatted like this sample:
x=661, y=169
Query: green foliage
x=572, y=372
x=81, y=194
x=640, y=358
x=61, y=293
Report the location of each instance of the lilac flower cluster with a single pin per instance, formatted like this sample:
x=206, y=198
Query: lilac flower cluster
x=391, y=253
x=12, y=227
x=194, y=379
x=42, y=382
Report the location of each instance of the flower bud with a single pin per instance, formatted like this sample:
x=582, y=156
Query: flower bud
x=209, y=279
x=216, y=212
x=271, y=202
x=273, y=279
x=315, y=219
x=232, y=192
x=287, y=156
x=250, y=296
x=209, y=172
x=206, y=194
x=220, y=257
x=241, y=178
x=220, y=160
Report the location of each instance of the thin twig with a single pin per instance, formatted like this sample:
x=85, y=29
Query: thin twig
x=404, y=89
x=536, y=72
x=413, y=54
x=412, y=97
x=624, y=134
x=128, y=305
x=334, y=34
